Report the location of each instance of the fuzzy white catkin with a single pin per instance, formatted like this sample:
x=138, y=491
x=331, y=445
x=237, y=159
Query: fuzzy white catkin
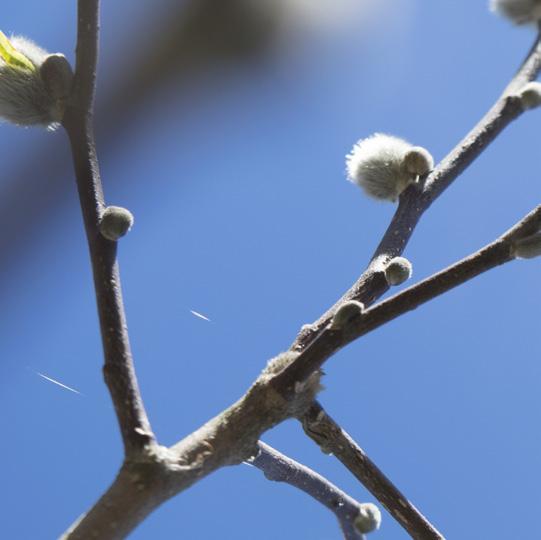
x=518, y=11
x=24, y=97
x=379, y=166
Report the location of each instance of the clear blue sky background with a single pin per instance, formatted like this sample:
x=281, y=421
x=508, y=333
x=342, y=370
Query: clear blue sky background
x=243, y=214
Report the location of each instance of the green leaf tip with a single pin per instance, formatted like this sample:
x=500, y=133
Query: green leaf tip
x=12, y=57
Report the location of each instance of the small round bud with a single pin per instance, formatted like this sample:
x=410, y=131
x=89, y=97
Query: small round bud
x=530, y=95
x=33, y=83
x=369, y=518
x=398, y=270
x=346, y=314
x=115, y=222
x=518, y=11
x=376, y=164
x=418, y=161
x=528, y=248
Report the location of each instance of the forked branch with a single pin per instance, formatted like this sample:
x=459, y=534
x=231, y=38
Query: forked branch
x=152, y=474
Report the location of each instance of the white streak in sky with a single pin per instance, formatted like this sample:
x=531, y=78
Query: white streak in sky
x=58, y=383
x=199, y=315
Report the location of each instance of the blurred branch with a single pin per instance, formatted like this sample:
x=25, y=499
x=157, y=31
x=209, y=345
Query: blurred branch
x=413, y=203
x=192, y=37
x=280, y=468
x=332, y=439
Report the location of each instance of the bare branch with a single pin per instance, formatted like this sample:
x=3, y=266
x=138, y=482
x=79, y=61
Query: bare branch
x=412, y=205
x=152, y=474
x=331, y=340
x=138, y=489
x=320, y=427
x=118, y=369
x=414, y=202
x=280, y=468
x=151, y=477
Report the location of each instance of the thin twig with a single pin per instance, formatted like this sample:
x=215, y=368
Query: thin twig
x=372, y=284
x=280, y=468
x=320, y=427
x=416, y=200
x=118, y=368
x=331, y=340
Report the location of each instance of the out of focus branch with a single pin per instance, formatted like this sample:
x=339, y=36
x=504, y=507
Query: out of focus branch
x=191, y=38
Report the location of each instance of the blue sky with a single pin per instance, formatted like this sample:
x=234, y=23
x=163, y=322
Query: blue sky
x=242, y=213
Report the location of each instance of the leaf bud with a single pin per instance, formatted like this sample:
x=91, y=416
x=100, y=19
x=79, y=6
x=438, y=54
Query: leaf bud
x=369, y=518
x=346, y=314
x=115, y=222
x=398, y=270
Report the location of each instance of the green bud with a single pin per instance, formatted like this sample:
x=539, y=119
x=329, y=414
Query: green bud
x=12, y=57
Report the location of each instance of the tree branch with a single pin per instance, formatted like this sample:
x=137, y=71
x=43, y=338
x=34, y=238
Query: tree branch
x=280, y=468
x=118, y=369
x=320, y=427
x=330, y=340
x=152, y=474
x=155, y=475
x=415, y=200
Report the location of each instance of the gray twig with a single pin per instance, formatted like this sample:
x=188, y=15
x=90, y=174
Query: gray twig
x=280, y=468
